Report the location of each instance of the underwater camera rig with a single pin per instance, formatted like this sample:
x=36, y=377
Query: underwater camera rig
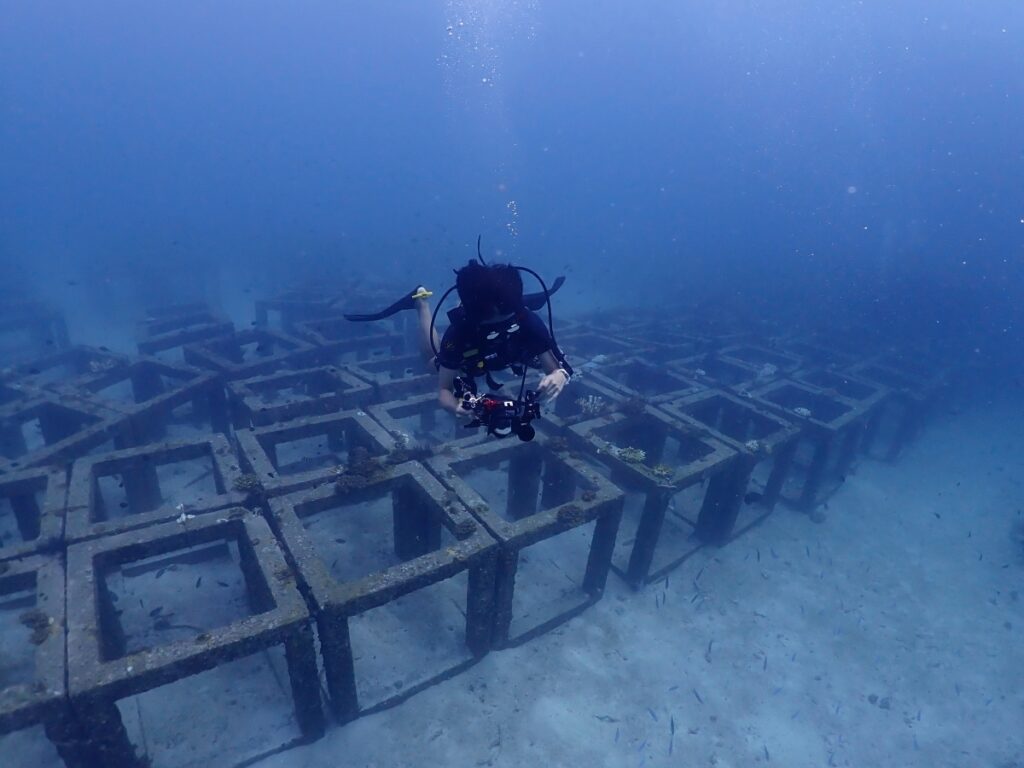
x=501, y=416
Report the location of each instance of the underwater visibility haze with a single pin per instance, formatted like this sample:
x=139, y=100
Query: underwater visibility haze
x=767, y=506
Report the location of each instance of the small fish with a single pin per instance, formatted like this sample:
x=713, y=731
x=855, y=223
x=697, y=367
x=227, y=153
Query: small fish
x=765, y=665
x=699, y=574
x=223, y=584
x=672, y=725
x=606, y=718
x=766, y=755
x=707, y=653
x=616, y=735
x=650, y=712
x=160, y=573
x=156, y=610
x=199, y=581
x=758, y=555
x=641, y=747
x=753, y=497
x=698, y=696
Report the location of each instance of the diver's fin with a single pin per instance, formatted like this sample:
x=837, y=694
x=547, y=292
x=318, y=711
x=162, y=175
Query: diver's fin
x=536, y=301
x=406, y=302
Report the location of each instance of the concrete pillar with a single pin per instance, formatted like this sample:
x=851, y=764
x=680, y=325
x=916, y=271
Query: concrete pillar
x=782, y=463
x=28, y=515
x=339, y=667
x=504, y=586
x=558, y=486
x=723, y=499
x=304, y=677
x=815, y=473
x=416, y=530
x=480, y=605
x=142, y=487
x=647, y=533
x=108, y=739
x=602, y=546
x=523, y=482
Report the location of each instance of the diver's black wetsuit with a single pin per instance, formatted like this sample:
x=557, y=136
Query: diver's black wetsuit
x=480, y=349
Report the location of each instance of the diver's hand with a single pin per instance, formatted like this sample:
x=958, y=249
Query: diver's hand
x=552, y=385
x=463, y=414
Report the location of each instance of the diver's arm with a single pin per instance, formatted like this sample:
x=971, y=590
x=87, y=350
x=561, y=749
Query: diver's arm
x=555, y=378
x=446, y=392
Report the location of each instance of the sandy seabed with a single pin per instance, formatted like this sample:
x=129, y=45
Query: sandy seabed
x=888, y=635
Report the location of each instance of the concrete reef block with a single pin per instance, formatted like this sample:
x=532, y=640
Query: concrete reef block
x=288, y=395
x=158, y=398
x=770, y=362
x=637, y=378
x=286, y=311
x=138, y=487
x=308, y=452
x=401, y=579
x=832, y=428
x=420, y=420
x=56, y=370
x=32, y=687
x=685, y=487
x=171, y=343
x=49, y=430
x=395, y=378
x=555, y=518
x=585, y=398
x=32, y=512
x=171, y=318
x=339, y=341
x=753, y=431
x=712, y=370
x=249, y=353
x=584, y=343
x=118, y=646
x=904, y=411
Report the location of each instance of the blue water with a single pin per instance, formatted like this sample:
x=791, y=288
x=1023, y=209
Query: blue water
x=847, y=172
x=863, y=153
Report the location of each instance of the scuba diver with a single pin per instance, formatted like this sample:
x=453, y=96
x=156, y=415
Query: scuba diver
x=495, y=327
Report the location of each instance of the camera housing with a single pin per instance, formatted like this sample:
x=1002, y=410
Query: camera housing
x=503, y=417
